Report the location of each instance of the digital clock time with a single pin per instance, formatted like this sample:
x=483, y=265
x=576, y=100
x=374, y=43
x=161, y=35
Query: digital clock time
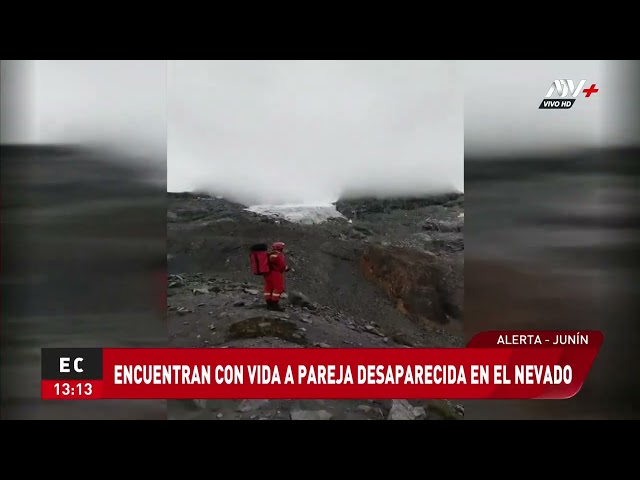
x=70, y=389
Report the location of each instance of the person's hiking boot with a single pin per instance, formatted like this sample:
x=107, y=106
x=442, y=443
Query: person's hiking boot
x=277, y=307
x=270, y=305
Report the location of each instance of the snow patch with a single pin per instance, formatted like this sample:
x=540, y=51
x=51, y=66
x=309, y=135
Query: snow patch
x=305, y=214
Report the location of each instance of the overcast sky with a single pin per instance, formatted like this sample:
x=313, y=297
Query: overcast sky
x=304, y=131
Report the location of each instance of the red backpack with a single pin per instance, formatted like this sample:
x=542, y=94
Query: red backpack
x=259, y=257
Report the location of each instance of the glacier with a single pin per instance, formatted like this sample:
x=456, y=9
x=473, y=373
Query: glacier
x=304, y=214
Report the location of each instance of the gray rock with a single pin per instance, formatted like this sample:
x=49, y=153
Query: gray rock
x=444, y=225
x=257, y=327
x=200, y=403
x=249, y=405
x=419, y=412
x=365, y=230
x=445, y=410
x=252, y=291
x=310, y=415
x=374, y=330
x=403, y=410
x=300, y=300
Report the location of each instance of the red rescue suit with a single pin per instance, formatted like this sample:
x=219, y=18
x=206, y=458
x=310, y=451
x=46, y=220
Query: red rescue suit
x=274, y=280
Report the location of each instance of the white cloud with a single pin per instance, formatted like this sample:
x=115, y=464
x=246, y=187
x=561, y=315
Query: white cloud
x=305, y=131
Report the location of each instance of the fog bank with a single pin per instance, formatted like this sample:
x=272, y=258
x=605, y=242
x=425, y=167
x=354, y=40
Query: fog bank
x=300, y=132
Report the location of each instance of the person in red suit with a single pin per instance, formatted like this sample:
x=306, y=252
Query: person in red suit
x=274, y=280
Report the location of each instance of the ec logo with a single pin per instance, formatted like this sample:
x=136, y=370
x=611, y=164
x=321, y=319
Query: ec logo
x=70, y=364
x=65, y=363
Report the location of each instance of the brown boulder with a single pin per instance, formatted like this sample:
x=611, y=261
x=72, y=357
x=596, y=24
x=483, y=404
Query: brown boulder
x=414, y=280
x=267, y=326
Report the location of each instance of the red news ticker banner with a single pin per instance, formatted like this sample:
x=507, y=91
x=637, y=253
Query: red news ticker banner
x=494, y=365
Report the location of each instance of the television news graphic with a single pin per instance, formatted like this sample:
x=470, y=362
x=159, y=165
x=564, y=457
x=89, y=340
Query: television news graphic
x=71, y=373
x=507, y=365
x=563, y=88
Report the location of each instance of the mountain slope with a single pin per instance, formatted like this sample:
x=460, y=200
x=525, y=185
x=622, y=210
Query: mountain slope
x=388, y=276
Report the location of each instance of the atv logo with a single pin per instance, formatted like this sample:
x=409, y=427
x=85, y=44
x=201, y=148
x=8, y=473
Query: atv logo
x=564, y=88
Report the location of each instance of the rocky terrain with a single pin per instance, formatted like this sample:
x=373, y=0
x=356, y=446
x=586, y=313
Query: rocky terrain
x=388, y=274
